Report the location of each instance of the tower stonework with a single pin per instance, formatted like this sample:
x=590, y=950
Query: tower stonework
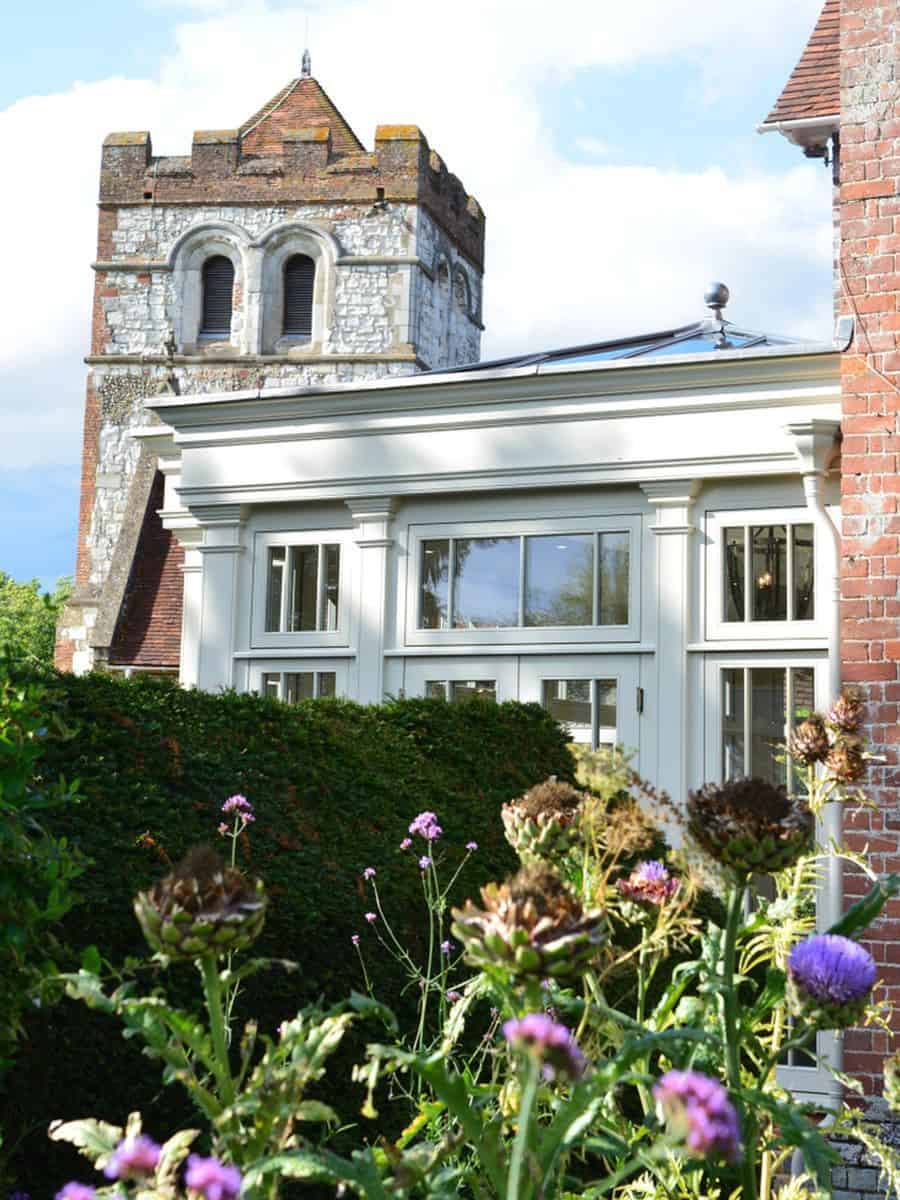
x=394, y=247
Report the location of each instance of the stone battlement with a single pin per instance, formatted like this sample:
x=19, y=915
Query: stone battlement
x=309, y=164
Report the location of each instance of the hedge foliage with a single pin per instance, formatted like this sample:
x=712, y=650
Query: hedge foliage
x=334, y=785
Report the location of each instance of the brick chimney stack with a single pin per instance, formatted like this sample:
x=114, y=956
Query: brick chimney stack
x=868, y=282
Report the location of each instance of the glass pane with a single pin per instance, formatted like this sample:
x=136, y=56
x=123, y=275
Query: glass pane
x=269, y=685
x=803, y=680
x=768, y=714
x=734, y=574
x=327, y=683
x=436, y=689
x=803, y=540
x=299, y=685
x=733, y=724
x=486, y=583
x=304, y=577
x=606, y=712
x=769, y=551
x=435, y=584
x=569, y=702
x=465, y=689
x=274, y=585
x=559, y=579
x=613, y=579
x=332, y=556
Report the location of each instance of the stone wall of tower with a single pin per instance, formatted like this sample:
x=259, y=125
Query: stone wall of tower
x=868, y=287
x=398, y=247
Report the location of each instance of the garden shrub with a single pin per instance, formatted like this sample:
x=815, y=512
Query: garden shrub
x=334, y=785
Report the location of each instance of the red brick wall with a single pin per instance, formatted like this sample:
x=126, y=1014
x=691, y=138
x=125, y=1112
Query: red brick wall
x=869, y=291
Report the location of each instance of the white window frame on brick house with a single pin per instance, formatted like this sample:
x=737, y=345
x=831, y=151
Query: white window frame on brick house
x=808, y=1083
x=263, y=542
x=717, y=628
x=261, y=669
x=522, y=634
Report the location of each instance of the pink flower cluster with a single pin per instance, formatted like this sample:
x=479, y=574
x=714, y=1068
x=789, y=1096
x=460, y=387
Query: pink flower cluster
x=241, y=806
x=697, y=1109
x=426, y=826
x=133, y=1158
x=549, y=1041
x=212, y=1179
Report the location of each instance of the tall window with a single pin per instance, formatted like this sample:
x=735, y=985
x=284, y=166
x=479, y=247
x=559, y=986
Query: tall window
x=303, y=589
x=559, y=579
x=299, y=280
x=760, y=706
x=218, y=297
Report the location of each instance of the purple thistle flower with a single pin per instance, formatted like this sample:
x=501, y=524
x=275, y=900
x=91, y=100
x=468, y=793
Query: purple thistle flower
x=424, y=862
x=371, y=917
x=832, y=970
x=240, y=805
x=446, y=947
x=76, y=1191
x=453, y=996
x=212, y=1179
x=354, y=938
x=548, y=1041
x=369, y=873
x=426, y=826
x=697, y=1109
x=649, y=883
x=133, y=1158
x=406, y=843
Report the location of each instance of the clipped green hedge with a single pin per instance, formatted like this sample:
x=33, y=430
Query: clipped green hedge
x=335, y=786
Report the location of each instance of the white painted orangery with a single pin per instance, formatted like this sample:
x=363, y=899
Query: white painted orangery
x=638, y=535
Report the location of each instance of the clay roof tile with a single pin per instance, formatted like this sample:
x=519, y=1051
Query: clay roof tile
x=814, y=88
x=301, y=104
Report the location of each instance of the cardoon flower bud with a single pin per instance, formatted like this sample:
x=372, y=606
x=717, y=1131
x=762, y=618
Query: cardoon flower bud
x=203, y=907
x=697, y=1109
x=133, y=1158
x=531, y=927
x=847, y=711
x=545, y=822
x=830, y=980
x=649, y=883
x=846, y=760
x=750, y=825
x=808, y=744
x=212, y=1179
x=549, y=1042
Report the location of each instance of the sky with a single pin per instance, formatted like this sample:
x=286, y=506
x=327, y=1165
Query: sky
x=613, y=148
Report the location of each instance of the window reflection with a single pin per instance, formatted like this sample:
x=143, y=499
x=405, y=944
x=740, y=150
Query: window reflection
x=768, y=549
x=559, y=579
x=435, y=576
x=486, y=583
x=614, y=568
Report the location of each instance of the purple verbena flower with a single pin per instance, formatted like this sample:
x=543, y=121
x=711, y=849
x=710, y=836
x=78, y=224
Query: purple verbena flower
x=369, y=873
x=133, y=1158
x=453, y=996
x=240, y=805
x=471, y=847
x=649, y=883
x=371, y=917
x=223, y=828
x=76, y=1191
x=446, y=947
x=406, y=843
x=355, y=939
x=212, y=1179
x=424, y=862
x=831, y=970
x=549, y=1042
x=426, y=826
x=697, y=1109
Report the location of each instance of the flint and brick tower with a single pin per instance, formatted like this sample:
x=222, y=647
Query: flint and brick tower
x=282, y=253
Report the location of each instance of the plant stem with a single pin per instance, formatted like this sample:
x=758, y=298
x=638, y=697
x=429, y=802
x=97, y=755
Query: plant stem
x=520, y=1146
x=732, y=1033
x=212, y=987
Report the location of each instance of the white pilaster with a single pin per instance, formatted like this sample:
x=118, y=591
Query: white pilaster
x=673, y=529
x=372, y=517
x=192, y=573
x=219, y=552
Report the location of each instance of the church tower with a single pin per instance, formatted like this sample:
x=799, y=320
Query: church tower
x=281, y=253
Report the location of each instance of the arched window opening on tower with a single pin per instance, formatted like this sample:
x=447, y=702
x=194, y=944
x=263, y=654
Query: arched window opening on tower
x=218, y=296
x=299, y=283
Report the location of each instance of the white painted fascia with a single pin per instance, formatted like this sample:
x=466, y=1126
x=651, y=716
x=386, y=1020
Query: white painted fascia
x=804, y=131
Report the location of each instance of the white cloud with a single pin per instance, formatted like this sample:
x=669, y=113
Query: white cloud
x=576, y=250
x=593, y=146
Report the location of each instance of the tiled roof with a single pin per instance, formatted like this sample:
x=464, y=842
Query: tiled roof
x=814, y=88
x=302, y=104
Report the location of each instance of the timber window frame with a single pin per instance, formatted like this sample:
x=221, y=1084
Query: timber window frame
x=519, y=626
x=301, y=589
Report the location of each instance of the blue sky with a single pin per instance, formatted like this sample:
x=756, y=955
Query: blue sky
x=613, y=149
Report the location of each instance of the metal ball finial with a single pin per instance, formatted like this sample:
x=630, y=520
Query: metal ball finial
x=716, y=297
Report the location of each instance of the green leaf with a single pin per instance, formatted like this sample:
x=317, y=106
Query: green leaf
x=321, y=1166
x=860, y=915
x=95, y=1139
x=315, y=1110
